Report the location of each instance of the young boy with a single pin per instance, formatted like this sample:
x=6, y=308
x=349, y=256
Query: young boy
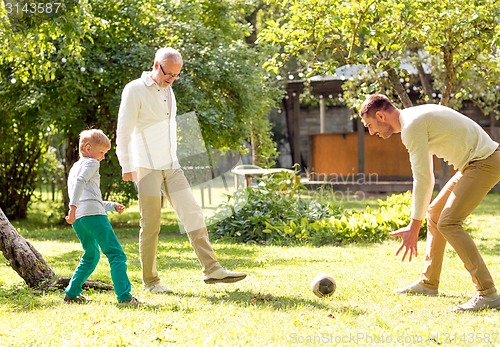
x=87, y=215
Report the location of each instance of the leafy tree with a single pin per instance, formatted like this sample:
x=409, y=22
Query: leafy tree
x=322, y=35
x=50, y=175
x=30, y=45
x=461, y=36
x=23, y=146
x=70, y=76
x=454, y=37
x=222, y=79
x=457, y=39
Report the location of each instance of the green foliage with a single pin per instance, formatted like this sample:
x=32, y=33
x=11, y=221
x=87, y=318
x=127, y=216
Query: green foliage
x=223, y=81
x=370, y=225
x=279, y=211
x=21, y=150
x=272, y=213
x=454, y=39
x=66, y=73
x=462, y=39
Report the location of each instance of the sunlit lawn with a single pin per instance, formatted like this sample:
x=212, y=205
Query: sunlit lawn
x=273, y=306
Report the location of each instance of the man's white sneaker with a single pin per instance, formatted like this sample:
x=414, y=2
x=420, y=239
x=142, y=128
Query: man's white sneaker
x=224, y=276
x=157, y=289
x=479, y=302
x=417, y=288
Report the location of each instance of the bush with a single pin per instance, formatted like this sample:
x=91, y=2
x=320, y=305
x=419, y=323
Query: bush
x=370, y=225
x=278, y=212
x=273, y=212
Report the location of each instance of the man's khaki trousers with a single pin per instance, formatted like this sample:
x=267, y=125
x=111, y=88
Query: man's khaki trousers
x=445, y=216
x=174, y=185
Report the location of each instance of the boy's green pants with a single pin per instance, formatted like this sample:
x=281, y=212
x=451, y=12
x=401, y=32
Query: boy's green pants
x=95, y=233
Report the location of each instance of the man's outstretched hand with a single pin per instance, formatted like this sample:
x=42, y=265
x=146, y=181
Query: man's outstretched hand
x=409, y=239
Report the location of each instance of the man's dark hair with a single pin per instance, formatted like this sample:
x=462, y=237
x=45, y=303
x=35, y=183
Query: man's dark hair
x=375, y=102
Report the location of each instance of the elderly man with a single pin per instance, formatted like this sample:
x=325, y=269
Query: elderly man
x=146, y=148
x=428, y=130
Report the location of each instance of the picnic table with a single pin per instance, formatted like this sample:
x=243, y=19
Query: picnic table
x=249, y=171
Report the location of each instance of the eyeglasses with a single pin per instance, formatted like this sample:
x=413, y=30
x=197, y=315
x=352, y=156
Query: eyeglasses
x=170, y=75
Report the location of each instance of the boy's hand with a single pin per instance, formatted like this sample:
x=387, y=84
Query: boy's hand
x=119, y=208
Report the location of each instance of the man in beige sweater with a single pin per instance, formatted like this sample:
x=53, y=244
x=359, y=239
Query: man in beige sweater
x=428, y=130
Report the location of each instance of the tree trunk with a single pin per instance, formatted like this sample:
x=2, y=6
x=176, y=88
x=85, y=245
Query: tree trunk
x=449, y=74
x=424, y=79
x=494, y=133
x=400, y=90
x=22, y=256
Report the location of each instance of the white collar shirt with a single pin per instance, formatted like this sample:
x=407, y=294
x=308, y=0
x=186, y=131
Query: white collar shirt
x=147, y=130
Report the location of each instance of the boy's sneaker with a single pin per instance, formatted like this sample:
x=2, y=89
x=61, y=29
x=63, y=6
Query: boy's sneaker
x=132, y=301
x=417, y=288
x=78, y=300
x=479, y=302
x=224, y=276
x=157, y=289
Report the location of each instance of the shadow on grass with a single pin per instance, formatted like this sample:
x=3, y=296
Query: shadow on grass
x=268, y=301
x=25, y=299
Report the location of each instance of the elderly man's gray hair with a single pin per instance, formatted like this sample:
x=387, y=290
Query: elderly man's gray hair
x=168, y=53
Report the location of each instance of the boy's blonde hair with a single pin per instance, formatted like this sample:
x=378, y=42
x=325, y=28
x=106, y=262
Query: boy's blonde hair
x=93, y=137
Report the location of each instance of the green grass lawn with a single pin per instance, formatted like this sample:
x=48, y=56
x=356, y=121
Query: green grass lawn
x=273, y=306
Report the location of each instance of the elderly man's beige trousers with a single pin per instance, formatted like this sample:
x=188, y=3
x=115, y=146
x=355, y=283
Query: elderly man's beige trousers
x=175, y=187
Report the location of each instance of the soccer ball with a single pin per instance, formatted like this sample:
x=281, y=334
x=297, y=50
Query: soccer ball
x=323, y=285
